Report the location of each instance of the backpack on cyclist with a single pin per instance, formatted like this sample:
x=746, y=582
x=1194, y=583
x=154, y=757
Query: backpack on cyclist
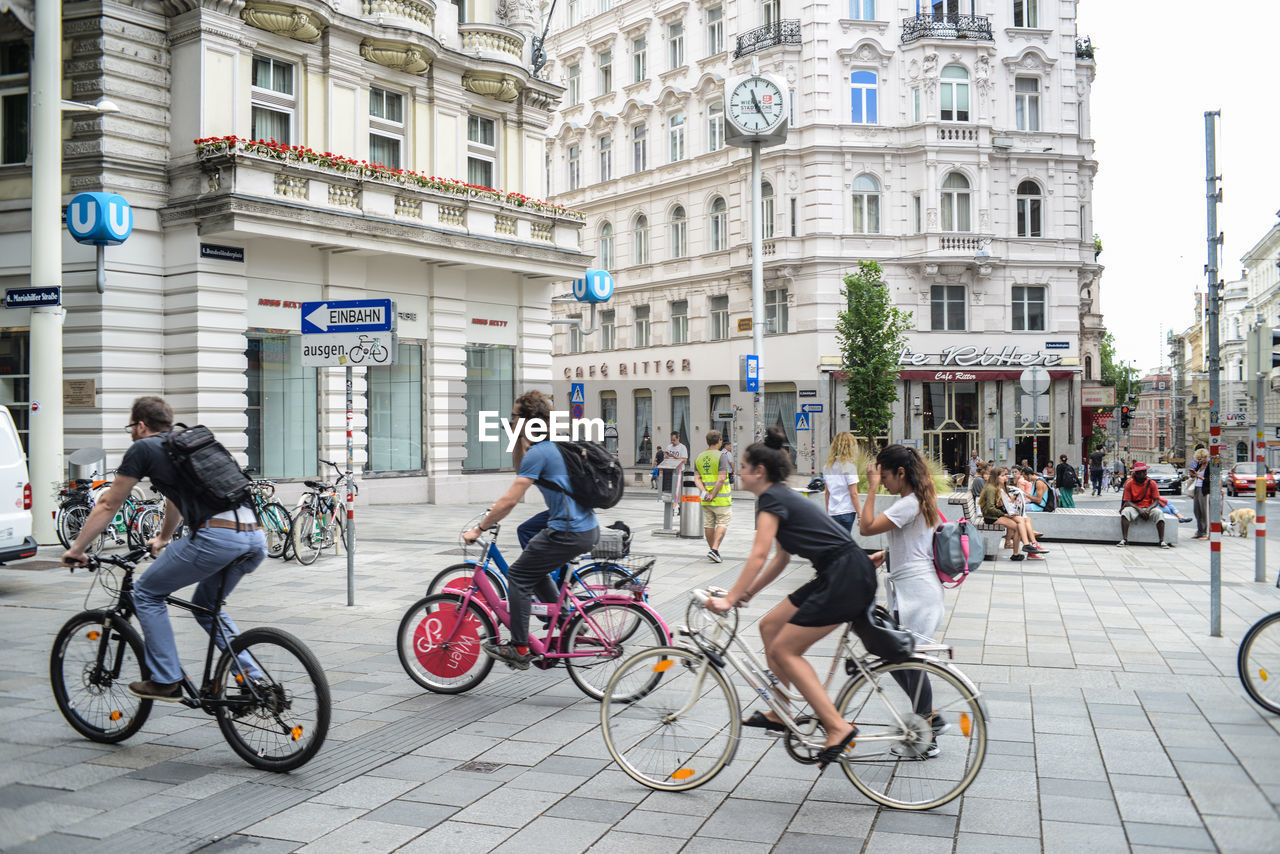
x=217, y=480
x=595, y=475
x=957, y=550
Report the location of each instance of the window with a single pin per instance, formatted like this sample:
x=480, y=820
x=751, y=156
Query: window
x=916, y=210
x=15, y=102
x=1029, y=209
x=715, y=126
x=1028, y=309
x=606, y=5
x=680, y=414
x=272, y=99
x=719, y=318
x=866, y=205
x=642, y=326
x=792, y=100
x=955, y=94
x=719, y=225
x=606, y=246
x=679, y=233
x=639, y=148
x=775, y=311
x=608, y=339
x=643, y=400
x=640, y=239
x=1027, y=104
x=481, y=150
x=795, y=217
x=575, y=12
x=575, y=85
x=490, y=386
x=605, y=62
x=606, y=157
x=1082, y=228
x=955, y=203
x=862, y=10
x=863, y=84
x=715, y=30
x=770, y=12
x=680, y=322
x=574, y=174
x=395, y=412
x=675, y=136
x=575, y=334
x=766, y=210
x=639, y=59
x=282, y=408
x=609, y=415
x=675, y=45
x=915, y=104
x=1026, y=13
x=386, y=127
x=947, y=308
x=384, y=150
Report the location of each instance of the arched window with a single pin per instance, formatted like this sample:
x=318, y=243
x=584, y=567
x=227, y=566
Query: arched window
x=1029, y=209
x=640, y=239
x=606, y=247
x=766, y=209
x=955, y=203
x=955, y=94
x=866, y=205
x=719, y=225
x=1088, y=367
x=1242, y=452
x=679, y=233
x=863, y=87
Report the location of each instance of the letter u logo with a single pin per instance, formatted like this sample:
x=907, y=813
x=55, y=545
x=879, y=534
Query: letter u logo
x=83, y=217
x=119, y=220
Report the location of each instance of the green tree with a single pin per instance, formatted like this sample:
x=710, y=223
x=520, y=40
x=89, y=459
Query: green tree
x=1115, y=373
x=871, y=333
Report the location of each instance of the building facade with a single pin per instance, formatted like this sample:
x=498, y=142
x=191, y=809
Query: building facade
x=275, y=155
x=1150, y=437
x=948, y=142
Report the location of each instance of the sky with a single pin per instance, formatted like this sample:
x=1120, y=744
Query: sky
x=1160, y=66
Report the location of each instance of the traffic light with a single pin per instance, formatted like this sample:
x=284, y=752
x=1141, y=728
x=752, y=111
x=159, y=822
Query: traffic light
x=1126, y=414
x=1260, y=349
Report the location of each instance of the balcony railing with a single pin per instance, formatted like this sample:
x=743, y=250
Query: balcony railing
x=786, y=31
x=1084, y=48
x=946, y=27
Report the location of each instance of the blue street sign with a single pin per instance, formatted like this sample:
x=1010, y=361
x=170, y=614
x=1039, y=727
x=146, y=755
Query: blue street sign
x=753, y=374
x=31, y=297
x=594, y=286
x=802, y=421
x=353, y=315
x=99, y=219
x=811, y=407
x=577, y=398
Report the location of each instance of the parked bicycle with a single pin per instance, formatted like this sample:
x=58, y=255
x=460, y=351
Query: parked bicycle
x=1258, y=662
x=318, y=520
x=267, y=691
x=441, y=635
x=136, y=521
x=274, y=518
x=672, y=720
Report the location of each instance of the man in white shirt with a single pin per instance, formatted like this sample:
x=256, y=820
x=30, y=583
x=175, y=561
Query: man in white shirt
x=676, y=449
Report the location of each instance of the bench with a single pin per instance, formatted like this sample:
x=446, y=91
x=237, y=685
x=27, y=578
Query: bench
x=1083, y=525
x=992, y=535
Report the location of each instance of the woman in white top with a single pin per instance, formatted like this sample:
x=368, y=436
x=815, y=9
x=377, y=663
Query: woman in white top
x=916, y=593
x=841, y=481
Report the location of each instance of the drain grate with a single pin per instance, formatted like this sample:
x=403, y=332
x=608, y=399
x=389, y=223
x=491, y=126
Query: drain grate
x=479, y=767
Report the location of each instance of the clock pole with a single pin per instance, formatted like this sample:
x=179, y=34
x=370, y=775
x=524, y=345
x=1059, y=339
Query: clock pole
x=757, y=288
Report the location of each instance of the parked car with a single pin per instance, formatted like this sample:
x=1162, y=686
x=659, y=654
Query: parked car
x=1166, y=478
x=1242, y=478
x=16, y=542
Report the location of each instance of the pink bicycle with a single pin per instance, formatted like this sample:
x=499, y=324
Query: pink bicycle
x=441, y=635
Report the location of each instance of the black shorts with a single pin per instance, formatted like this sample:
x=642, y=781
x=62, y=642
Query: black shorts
x=843, y=591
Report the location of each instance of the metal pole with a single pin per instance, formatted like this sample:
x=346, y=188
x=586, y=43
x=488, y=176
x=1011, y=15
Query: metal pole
x=1260, y=450
x=44, y=437
x=102, y=268
x=351, y=505
x=757, y=290
x=1035, y=431
x=1213, y=475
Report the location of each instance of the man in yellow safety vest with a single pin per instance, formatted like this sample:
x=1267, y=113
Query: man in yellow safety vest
x=713, y=466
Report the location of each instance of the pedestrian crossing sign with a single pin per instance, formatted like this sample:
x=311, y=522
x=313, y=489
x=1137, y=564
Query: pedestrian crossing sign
x=576, y=393
x=802, y=421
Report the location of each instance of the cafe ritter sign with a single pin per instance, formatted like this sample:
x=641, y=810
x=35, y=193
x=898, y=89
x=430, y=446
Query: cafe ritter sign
x=968, y=356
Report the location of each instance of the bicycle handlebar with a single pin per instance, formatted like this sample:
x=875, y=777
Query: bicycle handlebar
x=129, y=560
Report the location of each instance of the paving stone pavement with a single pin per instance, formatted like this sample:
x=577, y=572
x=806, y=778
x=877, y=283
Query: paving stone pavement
x=1116, y=724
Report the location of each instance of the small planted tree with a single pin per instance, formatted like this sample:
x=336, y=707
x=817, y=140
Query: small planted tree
x=871, y=332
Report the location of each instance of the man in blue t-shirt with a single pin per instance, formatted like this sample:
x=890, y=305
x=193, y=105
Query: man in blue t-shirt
x=571, y=530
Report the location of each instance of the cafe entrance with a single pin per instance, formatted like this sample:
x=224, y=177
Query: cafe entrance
x=950, y=412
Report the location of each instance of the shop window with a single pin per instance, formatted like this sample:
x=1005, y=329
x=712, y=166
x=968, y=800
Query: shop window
x=395, y=412
x=680, y=414
x=15, y=102
x=281, y=408
x=643, y=400
x=15, y=379
x=609, y=415
x=490, y=386
x=273, y=101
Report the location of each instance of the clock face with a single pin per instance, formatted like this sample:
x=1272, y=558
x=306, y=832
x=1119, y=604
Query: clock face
x=755, y=105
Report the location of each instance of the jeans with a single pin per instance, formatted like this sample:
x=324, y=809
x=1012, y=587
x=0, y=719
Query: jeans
x=1095, y=475
x=845, y=520
x=198, y=559
x=1200, y=503
x=530, y=527
x=545, y=553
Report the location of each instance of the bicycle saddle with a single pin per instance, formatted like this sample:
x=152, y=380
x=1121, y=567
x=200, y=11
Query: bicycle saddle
x=315, y=484
x=882, y=637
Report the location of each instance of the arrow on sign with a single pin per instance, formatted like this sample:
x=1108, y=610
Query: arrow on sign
x=319, y=317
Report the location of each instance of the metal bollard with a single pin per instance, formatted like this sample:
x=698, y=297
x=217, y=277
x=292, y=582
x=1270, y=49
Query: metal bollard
x=690, y=506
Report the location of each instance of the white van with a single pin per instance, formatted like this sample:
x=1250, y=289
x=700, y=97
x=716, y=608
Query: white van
x=16, y=541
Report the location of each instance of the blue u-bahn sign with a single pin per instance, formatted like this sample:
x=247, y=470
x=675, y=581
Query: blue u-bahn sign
x=100, y=219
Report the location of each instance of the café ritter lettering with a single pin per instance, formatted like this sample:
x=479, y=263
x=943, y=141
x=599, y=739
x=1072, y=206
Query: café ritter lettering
x=969, y=356
x=624, y=369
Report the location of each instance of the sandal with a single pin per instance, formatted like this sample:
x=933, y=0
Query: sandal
x=835, y=751
x=761, y=720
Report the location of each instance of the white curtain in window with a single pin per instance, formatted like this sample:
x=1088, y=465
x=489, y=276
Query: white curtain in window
x=780, y=410
x=644, y=430
x=680, y=416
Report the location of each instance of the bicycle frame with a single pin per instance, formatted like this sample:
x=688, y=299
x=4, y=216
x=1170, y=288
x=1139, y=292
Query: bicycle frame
x=493, y=553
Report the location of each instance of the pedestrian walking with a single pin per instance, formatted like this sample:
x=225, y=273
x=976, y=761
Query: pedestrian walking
x=840, y=476
x=713, y=466
x=1095, y=470
x=1199, y=495
x=1066, y=481
x=974, y=460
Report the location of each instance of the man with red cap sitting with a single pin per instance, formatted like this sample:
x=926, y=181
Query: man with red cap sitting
x=1141, y=500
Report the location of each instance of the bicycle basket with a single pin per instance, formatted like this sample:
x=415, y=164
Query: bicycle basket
x=614, y=542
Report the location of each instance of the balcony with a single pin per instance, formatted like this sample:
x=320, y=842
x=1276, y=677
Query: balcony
x=786, y=31
x=416, y=15
x=1084, y=48
x=977, y=27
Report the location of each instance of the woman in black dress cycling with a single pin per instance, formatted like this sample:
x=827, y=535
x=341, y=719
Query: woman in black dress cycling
x=843, y=591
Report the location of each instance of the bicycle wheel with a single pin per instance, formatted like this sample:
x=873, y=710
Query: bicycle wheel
x=599, y=579
x=355, y=355
x=439, y=643
x=1259, y=662
x=601, y=637
x=458, y=578
x=275, y=527
x=894, y=762
x=279, y=721
x=144, y=526
x=670, y=719
x=308, y=539
x=90, y=667
x=71, y=518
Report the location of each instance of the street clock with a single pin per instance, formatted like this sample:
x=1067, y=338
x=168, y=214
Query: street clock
x=756, y=110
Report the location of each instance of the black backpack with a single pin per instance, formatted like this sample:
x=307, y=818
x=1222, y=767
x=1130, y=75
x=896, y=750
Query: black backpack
x=218, y=482
x=595, y=475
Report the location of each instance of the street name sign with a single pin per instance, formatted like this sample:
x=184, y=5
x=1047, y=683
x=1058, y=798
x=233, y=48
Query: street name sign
x=356, y=315
x=32, y=297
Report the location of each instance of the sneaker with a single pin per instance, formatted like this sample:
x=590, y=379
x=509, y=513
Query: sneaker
x=1122, y=543
x=1017, y=557
x=1036, y=556
x=506, y=653
x=1164, y=544
x=164, y=692
x=940, y=726
x=912, y=751
x=1038, y=549
x=714, y=554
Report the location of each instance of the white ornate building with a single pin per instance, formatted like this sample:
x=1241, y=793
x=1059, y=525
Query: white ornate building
x=948, y=141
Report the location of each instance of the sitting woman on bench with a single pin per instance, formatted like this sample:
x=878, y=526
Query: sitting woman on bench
x=999, y=508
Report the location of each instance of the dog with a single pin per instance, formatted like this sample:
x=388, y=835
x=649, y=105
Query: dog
x=1239, y=521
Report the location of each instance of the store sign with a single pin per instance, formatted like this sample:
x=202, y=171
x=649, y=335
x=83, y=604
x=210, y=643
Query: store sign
x=968, y=356
x=1097, y=397
x=1234, y=417
x=658, y=366
x=484, y=321
x=969, y=376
